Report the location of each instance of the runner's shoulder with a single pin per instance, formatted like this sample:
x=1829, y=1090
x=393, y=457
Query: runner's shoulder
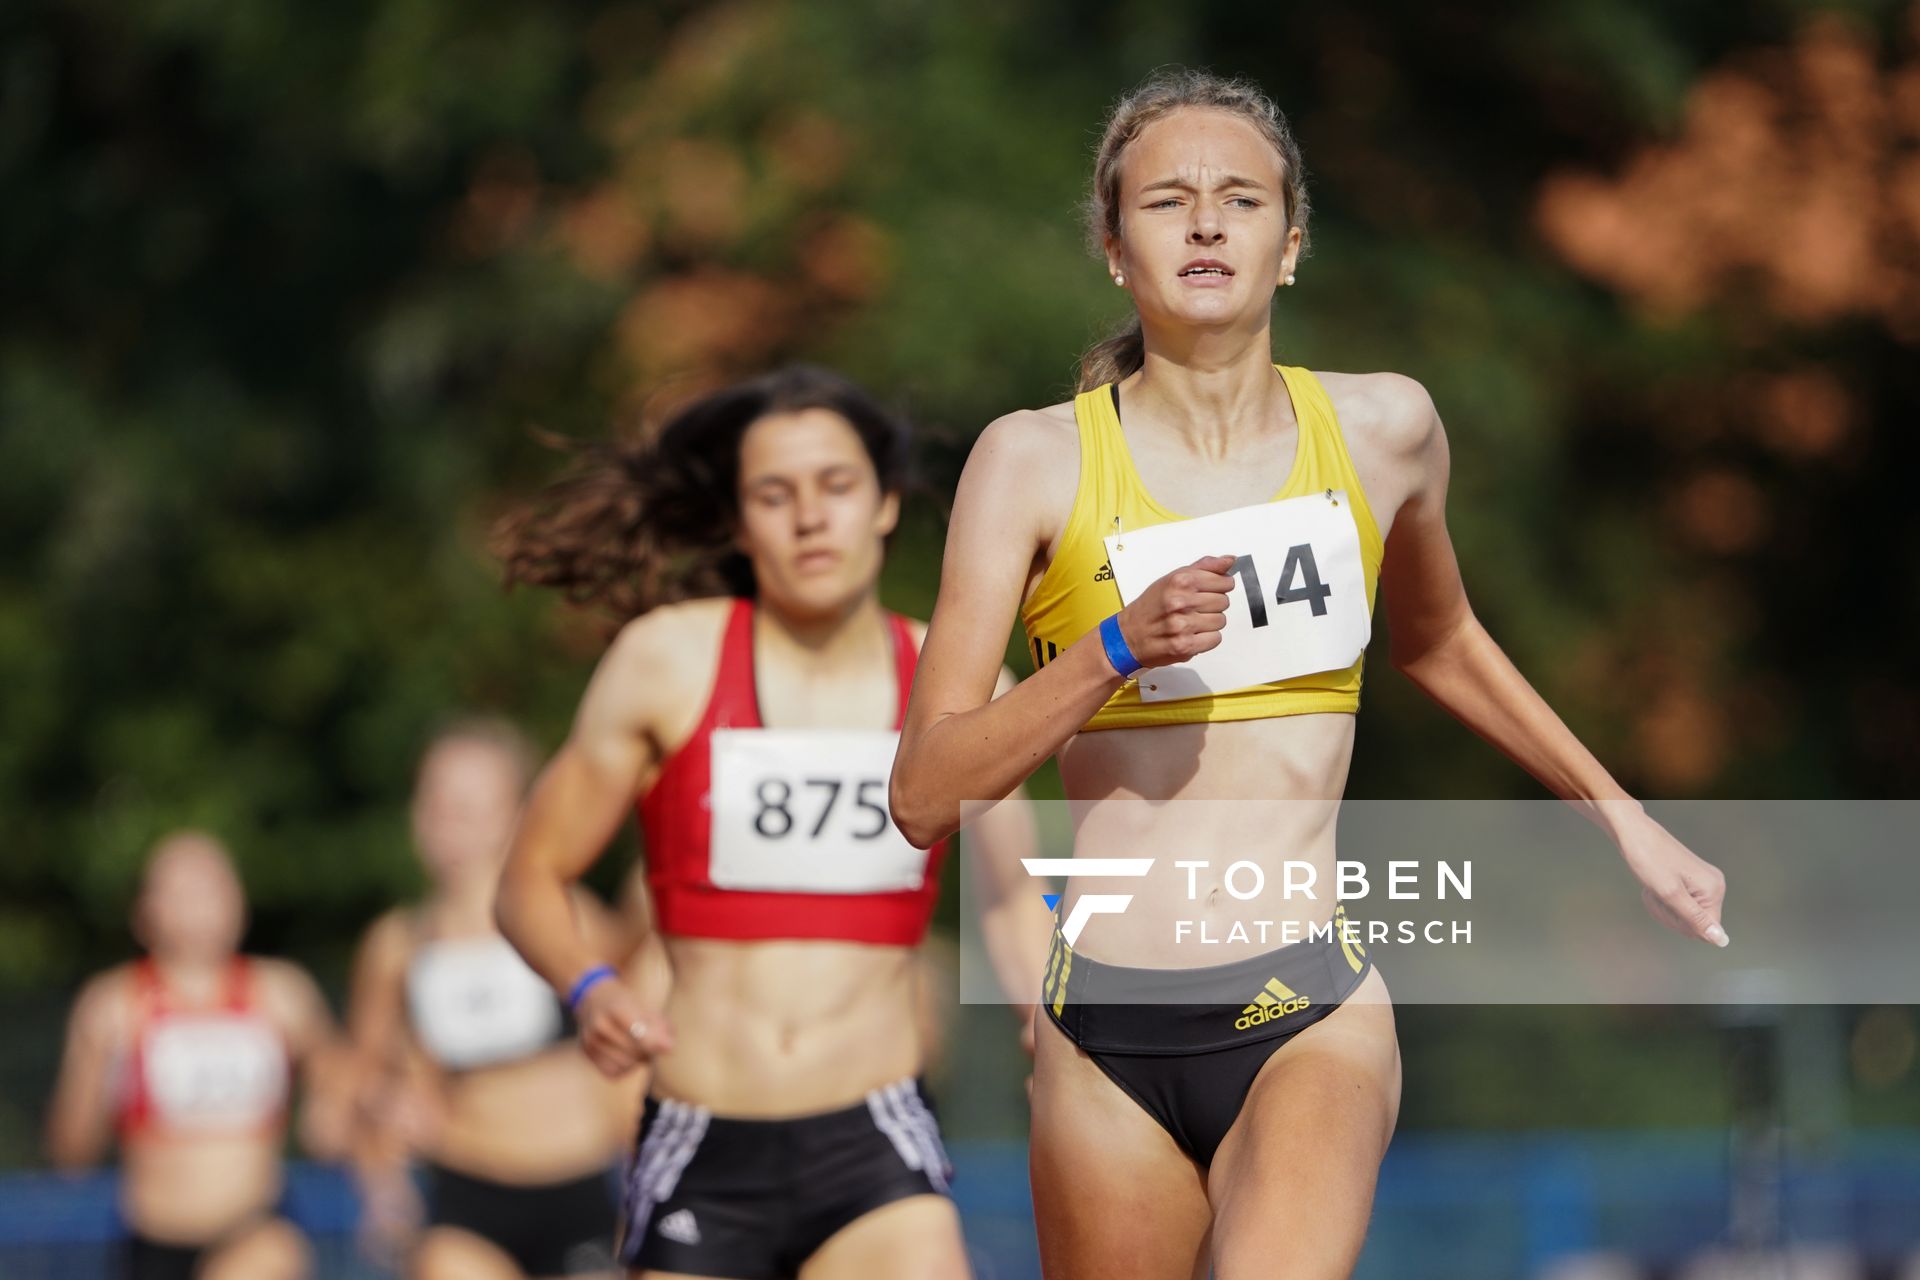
x=1026, y=462
x=282, y=979
x=389, y=940
x=666, y=633
x=657, y=672
x=104, y=1006
x=1388, y=413
x=1026, y=436
x=287, y=995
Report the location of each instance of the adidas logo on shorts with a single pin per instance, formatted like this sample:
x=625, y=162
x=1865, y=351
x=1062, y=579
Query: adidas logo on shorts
x=679, y=1226
x=1276, y=1001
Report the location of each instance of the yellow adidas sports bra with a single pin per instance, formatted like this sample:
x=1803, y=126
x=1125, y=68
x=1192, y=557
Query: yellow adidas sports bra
x=1078, y=591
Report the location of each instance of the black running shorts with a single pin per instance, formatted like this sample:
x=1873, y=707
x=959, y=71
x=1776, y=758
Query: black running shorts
x=753, y=1199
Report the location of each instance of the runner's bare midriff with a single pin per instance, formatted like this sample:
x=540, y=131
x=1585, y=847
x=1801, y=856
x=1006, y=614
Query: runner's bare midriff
x=543, y=1119
x=1260, y=791
x=193, y=1190
x=788, y=1027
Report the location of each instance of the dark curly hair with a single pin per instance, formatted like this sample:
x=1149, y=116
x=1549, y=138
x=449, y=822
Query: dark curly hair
x=638, y=524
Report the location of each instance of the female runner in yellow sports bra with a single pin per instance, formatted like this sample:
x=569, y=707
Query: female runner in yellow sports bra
x=1234, y=1114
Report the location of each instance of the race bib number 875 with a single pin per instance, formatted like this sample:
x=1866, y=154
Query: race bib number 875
x=1299, y=601
x=805, y=811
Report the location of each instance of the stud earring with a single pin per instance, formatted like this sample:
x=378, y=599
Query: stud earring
x=1289, y=277
x=1119, y=279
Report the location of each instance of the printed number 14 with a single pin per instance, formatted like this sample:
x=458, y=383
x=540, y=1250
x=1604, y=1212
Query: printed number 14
x=1299, y=565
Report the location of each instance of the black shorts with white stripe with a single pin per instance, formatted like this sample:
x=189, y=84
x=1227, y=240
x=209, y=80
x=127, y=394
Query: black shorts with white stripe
x=752, y=1199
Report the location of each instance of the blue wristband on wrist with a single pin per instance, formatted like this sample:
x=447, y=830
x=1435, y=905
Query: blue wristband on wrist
x=1116, y=646
x=587, y=982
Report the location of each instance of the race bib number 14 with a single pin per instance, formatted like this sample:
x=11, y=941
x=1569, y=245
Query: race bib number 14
x=805, y=811
x=1299, y=600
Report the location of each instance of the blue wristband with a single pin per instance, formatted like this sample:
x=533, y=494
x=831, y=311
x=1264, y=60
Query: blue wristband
x=587, y=982
x=1116, y=645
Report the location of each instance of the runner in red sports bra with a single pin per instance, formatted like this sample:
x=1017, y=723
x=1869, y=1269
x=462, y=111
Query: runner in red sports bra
x=199, y=1070
x=697, y=894
x=755, y=722
x=189, y=1053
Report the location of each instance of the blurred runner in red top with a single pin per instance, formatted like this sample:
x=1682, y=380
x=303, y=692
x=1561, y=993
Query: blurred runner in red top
x=751, y=707
x=190, y=1052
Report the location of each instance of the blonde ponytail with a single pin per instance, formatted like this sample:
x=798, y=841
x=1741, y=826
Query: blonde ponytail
x=1114, y=358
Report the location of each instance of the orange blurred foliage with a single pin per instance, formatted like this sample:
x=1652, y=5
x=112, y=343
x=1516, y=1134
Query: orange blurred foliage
x=1794, y=183
x=722, y=210
x=702, y=191
x=1803, y=413
x=603, y=235
x=1790, y=197
x=1721, y=511
x=846, y=257
x=706, y=315
x=808, y=150
x=500, y=203
x=1681, y=737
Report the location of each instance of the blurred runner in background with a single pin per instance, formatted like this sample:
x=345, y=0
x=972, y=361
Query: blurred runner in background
x=469, y=1062
x=188, y=1054
x=751, y=707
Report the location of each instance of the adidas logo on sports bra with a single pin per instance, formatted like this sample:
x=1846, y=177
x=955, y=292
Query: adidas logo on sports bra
x=1277, y=1001
x=1104, y=573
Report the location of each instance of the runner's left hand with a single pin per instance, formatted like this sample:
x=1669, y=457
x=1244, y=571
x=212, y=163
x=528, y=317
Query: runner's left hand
x=1682, y=890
